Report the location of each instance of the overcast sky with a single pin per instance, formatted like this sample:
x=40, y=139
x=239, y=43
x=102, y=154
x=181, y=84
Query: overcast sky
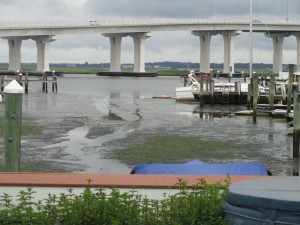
x=162, y=46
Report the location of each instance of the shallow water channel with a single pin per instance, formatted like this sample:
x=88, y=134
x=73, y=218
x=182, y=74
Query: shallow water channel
x=91, y=115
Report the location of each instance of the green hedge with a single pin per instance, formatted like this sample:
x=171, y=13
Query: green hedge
x=198, y=205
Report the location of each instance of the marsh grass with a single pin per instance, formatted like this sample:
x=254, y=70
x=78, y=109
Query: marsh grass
x=170, y=149
x=199, y=205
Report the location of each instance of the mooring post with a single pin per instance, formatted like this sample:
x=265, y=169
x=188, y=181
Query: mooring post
x=26, y=83
x=54, y=82
x=2, y=83
x=12, y=125
x=296, y=125
x=290, y=88
x=45, y=82
x=255, y=97
x=272, y=91
x=201, y=90
x=249, y=94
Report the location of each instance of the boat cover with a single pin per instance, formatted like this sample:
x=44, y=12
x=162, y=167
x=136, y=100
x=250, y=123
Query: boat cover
x=264, y=201
x=198, y=167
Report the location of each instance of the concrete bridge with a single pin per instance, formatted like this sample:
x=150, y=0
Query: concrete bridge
x=45, y=32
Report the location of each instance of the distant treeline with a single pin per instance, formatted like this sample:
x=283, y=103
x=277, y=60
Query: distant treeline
x=167, y=65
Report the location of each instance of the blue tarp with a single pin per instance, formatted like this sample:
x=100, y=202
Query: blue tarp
x=197, y=167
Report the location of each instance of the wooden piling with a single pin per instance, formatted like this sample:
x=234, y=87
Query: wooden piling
x=272, y=91
x=249, y=94
x=54, y=84
x=26, y=83
x=201, y=90
x=290, y=88
x=255, y=97
x=45, y=83
x=12, y=125
x=2, y=83
x=296, y=125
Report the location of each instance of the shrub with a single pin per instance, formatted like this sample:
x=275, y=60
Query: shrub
x=199, y=205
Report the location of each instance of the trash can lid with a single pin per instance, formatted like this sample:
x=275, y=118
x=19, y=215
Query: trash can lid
x=270, y=193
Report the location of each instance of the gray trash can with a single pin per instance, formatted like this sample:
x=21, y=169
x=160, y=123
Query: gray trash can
x=267, y=201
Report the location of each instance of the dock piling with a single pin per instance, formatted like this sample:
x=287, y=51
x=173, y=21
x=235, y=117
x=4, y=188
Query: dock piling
x=255, y=97
x=296, y=125
x=249, y=94
x=12, y=125
x=26, y=83
x=201, y=90
x=45, y=83
x=290, y=88
x=272, y=91
x=2, y=83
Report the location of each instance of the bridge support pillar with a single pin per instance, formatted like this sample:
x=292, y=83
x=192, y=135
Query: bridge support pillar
x=205, y=38
x=228, y=37
x=277, y=54
x=43, y=45
x=115, y=51
x=139, y=40
x=14, y=45
x=277, y=49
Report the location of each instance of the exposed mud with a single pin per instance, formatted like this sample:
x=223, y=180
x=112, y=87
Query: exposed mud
x=90, y=117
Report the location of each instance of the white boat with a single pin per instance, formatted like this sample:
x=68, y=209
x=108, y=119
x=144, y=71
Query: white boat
x=192, y=91
x=188, y=92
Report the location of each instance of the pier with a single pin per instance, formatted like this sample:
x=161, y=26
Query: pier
x=27, y=77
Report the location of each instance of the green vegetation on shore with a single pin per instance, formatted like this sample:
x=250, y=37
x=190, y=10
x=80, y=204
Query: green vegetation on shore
x=169, y=149
x=95, y=70
x=200, y=204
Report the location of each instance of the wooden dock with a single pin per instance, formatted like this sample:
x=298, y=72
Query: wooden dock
x=30, y=73
x=24, y=80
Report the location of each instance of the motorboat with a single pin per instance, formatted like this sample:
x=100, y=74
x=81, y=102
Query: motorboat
x=192, y=91
x=188, y=92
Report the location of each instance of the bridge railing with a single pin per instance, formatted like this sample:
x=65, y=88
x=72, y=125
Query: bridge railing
x=127, y=22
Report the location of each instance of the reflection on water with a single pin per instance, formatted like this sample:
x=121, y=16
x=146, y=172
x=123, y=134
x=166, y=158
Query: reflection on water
x=88, y=151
